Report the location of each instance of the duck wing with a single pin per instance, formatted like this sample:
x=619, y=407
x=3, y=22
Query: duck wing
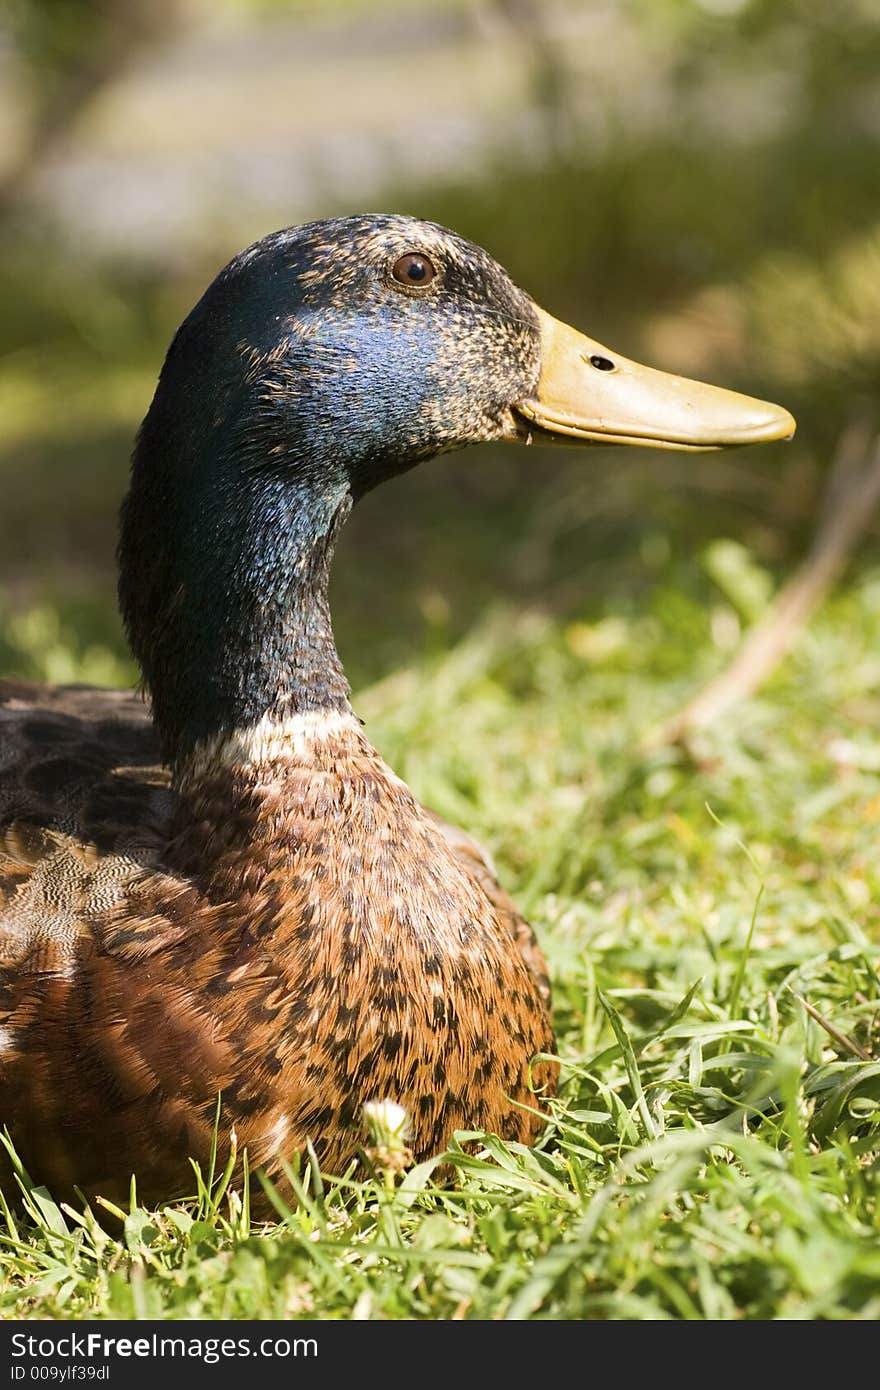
x=79, y=760
x=85, y=762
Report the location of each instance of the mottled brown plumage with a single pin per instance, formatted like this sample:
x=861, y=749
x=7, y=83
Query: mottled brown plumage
x=296, y=933
x=272, y=916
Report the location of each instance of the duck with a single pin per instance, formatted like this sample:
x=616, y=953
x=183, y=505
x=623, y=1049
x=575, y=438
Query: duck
x=215, y=895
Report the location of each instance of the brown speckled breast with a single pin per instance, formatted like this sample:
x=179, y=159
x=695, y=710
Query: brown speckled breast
x=289, y=928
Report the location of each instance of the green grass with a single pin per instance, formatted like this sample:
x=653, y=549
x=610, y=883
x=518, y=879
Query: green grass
x=713, y=1153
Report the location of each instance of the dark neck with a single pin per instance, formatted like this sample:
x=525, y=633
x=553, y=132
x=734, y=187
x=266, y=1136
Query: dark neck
x=225, y=601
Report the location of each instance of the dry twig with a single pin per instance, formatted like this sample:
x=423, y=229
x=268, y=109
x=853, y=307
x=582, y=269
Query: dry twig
x=848, y=1044
x=851, y=499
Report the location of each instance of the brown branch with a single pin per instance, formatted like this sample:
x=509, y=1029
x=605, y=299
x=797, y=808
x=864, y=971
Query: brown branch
x=852, y=496
x=848, y=1044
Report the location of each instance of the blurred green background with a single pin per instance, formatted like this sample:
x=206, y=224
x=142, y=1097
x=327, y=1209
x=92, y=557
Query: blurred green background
x=694, y=182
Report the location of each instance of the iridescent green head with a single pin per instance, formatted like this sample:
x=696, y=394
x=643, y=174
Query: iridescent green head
x=321, y=361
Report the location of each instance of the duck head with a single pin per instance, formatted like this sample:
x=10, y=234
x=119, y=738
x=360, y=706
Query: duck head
x=321, y=361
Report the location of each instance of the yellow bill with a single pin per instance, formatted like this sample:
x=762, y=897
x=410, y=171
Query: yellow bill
x=586, y=392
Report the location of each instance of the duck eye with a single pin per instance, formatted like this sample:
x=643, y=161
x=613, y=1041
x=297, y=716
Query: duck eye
x=414, y=270
x=602, y=364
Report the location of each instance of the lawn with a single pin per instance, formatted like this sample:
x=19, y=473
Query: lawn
x=713, y=1153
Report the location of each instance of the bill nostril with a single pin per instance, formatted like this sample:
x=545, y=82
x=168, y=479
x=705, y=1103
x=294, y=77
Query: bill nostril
x=602, y=364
